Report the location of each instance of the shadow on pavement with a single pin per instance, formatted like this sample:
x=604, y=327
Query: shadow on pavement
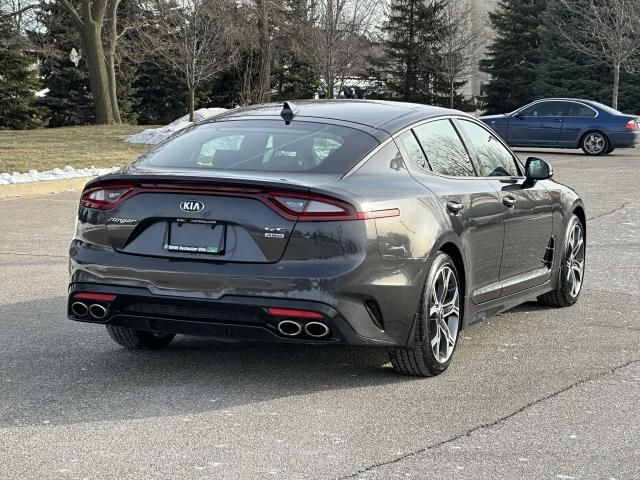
x=58, y=371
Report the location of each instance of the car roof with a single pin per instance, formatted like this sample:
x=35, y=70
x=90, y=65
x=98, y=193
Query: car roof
x=387, y=116
x=567, y=99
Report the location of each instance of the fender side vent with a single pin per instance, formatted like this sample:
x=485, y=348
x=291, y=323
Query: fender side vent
x=549, y=254
x=374, y=312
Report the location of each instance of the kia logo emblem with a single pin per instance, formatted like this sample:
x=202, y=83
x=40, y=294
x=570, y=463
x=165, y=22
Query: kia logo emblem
x=191, y=206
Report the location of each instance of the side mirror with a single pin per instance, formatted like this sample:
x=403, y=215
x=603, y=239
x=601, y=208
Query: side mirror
x=537, y=169
x=518, y=116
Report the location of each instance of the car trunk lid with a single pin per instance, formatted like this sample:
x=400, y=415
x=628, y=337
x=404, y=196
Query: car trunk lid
x=194, y=217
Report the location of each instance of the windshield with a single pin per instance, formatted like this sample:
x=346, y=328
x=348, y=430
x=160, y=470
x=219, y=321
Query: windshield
x=264, y=145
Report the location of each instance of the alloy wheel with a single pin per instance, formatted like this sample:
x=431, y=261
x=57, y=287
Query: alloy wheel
x=575, y=257
x=444, y=314
x=594, y=143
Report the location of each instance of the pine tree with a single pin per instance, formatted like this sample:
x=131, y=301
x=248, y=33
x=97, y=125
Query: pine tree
x=68, y=100
x=514, y=55
x=412, y=33
x=565, y=72
x=159, y=93
x=18, y=81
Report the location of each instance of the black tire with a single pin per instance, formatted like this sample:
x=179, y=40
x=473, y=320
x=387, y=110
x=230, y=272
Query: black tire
x=563, y=296
x=420, y=359
x=138, y=339
x=595, y=143
x=611, y=150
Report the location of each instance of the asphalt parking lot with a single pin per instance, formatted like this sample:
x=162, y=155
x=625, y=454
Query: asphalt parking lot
x=536, y=393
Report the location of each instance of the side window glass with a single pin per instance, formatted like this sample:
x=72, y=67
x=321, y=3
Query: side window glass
x=386, y=160
x=445, y=151
x=584, y=111
x=495, y=160
x=412, y=147
x=544, y=109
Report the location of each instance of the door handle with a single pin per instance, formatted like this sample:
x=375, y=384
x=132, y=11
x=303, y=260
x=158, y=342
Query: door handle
x=455, y=207
x=558, y=120
x=509, y=201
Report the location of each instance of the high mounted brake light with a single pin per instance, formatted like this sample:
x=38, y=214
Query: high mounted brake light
x=302, y=207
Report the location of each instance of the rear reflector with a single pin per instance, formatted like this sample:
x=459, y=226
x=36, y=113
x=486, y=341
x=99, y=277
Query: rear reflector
x=293, y=313
x=98, y=297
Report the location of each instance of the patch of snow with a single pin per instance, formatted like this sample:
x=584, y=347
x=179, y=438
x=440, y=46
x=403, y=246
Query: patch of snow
x=55, y=174
x=152, y=136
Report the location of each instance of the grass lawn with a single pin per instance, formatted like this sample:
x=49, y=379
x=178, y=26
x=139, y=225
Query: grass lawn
x=48, y=148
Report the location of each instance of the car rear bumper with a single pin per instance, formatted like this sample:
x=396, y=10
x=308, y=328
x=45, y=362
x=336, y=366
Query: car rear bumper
x=235, y=318
x=362, y=304
x=629, y=139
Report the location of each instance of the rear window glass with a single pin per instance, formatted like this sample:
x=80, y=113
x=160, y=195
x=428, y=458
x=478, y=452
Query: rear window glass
x=264, y=145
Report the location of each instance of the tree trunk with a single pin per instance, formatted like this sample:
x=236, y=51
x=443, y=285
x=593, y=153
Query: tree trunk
x=192, y=102
x=264, y=74
x=98, y=78
x=110, y=60
x=616, y=85
x=113, y=93
x=452, y=94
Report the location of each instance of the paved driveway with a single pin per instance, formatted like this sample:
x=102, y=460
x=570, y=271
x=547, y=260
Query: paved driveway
x=536, y=393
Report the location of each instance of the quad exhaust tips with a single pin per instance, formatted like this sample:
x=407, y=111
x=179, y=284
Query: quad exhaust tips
x=316, y=329
x=96, y=311
x=79, y=309
x=291, y=328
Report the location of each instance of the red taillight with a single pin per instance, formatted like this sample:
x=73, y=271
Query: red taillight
x=105, y=198
x=98, y=297
x=294, y=313
x=631, y=125
x=291, y=205
x=310, y=207
x=317, y=208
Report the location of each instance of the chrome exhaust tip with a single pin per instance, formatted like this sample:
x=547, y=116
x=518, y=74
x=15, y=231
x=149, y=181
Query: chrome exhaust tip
x=316, y=329
x=97, y=311
x=79, y=309
x=289, y=328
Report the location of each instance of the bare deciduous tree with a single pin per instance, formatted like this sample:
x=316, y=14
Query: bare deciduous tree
x=335, y=40
x=608, y=31
x=458, y=44
x=89, y=18
x=194, y=37
x=22, y=13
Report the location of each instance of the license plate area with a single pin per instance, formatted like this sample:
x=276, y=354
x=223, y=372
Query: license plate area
x=185, y=235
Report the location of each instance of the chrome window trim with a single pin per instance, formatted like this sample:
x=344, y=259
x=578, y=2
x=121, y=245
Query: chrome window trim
x=461, y=116
x=513, y=114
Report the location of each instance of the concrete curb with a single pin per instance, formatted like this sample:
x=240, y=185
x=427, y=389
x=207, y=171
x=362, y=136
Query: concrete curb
x=38, y=189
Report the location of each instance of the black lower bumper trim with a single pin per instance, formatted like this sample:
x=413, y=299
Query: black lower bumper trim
x=229, y=318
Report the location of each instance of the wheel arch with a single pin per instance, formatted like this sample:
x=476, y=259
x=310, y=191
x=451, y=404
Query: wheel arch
x=454, y=252
x=587, y=131
x=578, y=211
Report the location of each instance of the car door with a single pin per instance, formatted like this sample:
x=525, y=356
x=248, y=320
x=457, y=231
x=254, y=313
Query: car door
x=438, y=159
x=577, y=117
x=539, y=124
x=526, y=210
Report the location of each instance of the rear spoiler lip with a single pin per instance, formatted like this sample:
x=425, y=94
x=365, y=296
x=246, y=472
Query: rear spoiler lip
x=188, y=180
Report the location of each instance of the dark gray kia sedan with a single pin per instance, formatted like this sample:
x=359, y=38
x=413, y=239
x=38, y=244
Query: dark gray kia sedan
x=327, y=222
